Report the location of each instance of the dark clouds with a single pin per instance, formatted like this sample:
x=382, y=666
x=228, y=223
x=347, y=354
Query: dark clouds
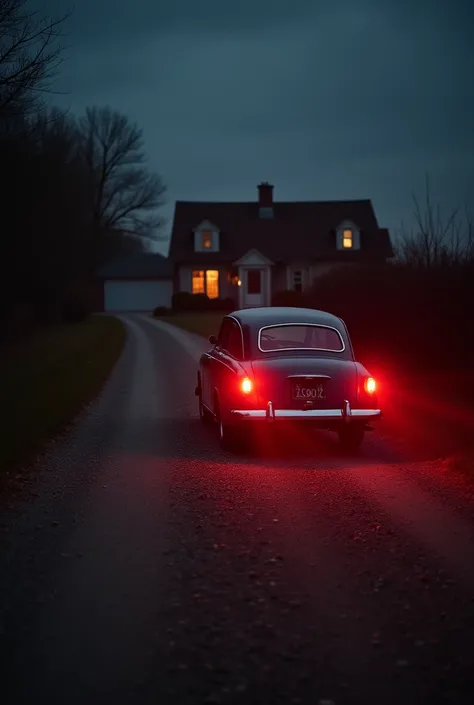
x=326, y=100
x=124, y=19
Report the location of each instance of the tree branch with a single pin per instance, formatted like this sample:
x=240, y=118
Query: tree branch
x=29, y=56
x=126, y=194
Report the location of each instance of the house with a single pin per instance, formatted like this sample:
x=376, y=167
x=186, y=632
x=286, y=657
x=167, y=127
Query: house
x=137, y=282
x=249, y=251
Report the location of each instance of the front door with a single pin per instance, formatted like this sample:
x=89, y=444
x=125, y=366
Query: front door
x=254, y=287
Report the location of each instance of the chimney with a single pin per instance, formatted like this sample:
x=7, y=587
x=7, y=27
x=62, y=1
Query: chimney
x=265, y=200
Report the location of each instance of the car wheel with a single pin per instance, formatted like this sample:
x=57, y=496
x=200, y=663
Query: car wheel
x=351, y=437
x=204, y=414
x=229, y=437
x=228, y=434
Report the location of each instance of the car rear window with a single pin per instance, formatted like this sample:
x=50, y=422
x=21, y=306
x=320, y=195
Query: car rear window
x=300, y=337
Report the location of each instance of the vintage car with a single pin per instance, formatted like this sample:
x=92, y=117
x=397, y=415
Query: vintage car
x=276, y=364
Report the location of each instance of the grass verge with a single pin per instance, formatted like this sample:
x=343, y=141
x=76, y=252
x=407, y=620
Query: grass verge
x=44, y=384
x=205, y=323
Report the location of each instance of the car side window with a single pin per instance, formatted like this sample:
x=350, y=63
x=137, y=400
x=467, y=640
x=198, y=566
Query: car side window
x=223, y=337
x=234, y=342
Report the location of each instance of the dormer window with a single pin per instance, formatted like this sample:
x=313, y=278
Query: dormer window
x=206, y=237
x=347, y=239
x=347, y=236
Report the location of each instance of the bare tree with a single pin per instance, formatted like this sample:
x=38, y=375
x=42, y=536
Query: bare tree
x=436, y=241
x=125, y=195
x=29, y=58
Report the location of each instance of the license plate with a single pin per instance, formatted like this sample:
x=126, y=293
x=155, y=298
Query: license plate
x=308, y=391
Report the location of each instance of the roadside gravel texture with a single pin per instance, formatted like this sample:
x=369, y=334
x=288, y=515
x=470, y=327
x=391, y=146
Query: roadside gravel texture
x=143, y=564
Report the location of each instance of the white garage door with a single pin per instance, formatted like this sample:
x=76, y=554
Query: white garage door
x=137, y=295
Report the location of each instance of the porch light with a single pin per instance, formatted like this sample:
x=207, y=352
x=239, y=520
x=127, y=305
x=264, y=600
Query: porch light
x=239, y=283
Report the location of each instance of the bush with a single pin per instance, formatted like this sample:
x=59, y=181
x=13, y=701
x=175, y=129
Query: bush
x=410, y=318
x=185, y=301
x=161, y=311
x=289, y=298
x=227, y=304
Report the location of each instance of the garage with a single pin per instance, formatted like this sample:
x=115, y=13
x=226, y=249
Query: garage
x=137, y=283
x=136, y=295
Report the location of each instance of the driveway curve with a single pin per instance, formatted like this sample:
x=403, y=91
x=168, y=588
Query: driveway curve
x=144, y=564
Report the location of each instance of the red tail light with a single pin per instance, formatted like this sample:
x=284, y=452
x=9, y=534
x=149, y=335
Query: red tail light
x=370, y=385
x=246, y=385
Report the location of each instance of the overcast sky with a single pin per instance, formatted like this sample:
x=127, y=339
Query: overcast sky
x=326, y=100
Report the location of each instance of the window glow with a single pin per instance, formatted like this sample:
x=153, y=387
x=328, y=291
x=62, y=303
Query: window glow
x=198, y=284
x=347, y=239
x=212, y=283
x=206, y=239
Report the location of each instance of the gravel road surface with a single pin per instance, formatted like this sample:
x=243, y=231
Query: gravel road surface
x=146, y=565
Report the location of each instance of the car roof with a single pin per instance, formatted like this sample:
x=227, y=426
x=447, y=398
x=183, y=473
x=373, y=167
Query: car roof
x=275, y=315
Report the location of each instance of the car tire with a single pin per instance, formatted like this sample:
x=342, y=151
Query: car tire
x=204, y=414
x=351, y=437
x=229, y=436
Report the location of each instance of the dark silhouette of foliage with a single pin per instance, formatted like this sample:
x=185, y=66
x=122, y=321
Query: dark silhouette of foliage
x=53, y=242
x=417, y=312
x=30, y=56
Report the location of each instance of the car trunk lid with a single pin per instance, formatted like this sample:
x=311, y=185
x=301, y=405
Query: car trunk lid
x=292, y=382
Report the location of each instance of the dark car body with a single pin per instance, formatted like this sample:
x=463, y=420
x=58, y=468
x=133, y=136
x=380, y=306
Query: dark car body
x=298, y=365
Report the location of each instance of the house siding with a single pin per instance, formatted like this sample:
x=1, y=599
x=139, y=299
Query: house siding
x=278, y=274
x=282, y=275
x=319, y=270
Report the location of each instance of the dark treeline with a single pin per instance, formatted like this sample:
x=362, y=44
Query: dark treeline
x=76, y=190
x=417, y=311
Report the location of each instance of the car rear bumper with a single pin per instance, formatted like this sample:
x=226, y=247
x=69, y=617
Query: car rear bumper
x=345, y=414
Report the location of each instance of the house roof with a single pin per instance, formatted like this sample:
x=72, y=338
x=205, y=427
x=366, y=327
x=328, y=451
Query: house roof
x=143, y=265
x=299, y=229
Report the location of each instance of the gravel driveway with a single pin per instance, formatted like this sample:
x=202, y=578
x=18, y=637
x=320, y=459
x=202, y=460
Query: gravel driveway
x=146, y=565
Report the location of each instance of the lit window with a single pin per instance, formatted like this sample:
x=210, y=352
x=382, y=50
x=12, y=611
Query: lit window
x=347, y=239
x=206, y=239
x=212, y=283
x=198, y=284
